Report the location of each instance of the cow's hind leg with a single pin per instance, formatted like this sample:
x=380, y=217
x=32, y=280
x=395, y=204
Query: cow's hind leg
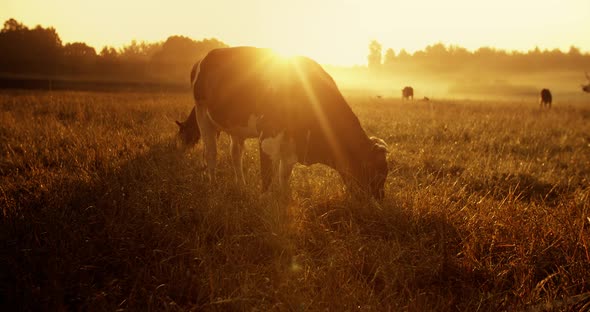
x=270, y=158
x=209, y=135
x=285, y=169
x=278, y=152
x=237, y=149
x=288, y=159
x=266, y=168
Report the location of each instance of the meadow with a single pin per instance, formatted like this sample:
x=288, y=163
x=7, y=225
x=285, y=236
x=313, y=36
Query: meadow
x=487, y=208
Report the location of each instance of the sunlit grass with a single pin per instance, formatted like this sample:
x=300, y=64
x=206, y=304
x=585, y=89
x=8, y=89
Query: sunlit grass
x=486, y=208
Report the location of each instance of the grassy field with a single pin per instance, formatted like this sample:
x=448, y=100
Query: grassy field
x=487, y=208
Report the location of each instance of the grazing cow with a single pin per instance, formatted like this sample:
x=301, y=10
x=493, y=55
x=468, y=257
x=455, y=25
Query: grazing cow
x=295, y=109
x=546, y=98
x=407, y=93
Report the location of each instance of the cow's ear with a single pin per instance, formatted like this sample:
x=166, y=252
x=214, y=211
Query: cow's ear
x=380, y=148
x=379, y=145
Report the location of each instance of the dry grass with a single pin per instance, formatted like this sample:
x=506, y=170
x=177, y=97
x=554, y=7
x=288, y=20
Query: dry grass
x=486, y=209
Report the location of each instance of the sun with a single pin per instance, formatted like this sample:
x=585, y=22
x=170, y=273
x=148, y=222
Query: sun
x=287, y=51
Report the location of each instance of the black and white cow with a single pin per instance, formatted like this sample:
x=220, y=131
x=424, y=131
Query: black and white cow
x=295, y=109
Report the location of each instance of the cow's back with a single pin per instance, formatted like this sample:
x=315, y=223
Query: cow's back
x=296, y=95
x=231, y=82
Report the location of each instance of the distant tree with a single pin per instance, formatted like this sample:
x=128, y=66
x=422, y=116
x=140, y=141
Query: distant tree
x=79, y=58
x=176, y=49
x=458, y=52
x=148, y=49
x=536, y=51
x=438, y=51
x=437, y=58
x=207, y=45
x=374, y=58
x=389, y=57
x=403, y=55
x=45, y=48
x=79, y=49
x=109, y=53
x=180, y=49
x=12, y=25
x=574, y=51
x=131, y=52
x=35, y=50
x=178, y=54
x=108, y=62
x=419, y=56
x=485, y=52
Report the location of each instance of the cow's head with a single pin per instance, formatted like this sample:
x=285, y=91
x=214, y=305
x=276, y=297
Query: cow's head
x=188, y=130
x=371, y=172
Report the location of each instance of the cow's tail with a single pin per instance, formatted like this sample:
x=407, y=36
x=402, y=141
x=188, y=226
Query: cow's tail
x=191, y=122
x=195, y=126
x=194, y=72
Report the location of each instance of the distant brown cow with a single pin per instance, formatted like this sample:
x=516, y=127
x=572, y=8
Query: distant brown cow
x=407, y=93
x=546, y=98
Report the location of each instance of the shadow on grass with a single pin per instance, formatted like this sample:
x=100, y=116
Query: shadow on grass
x=523, y=187
x=520, y=186
x=154, y=234
x=405, y=258
x=114, y=242
x=430, y=169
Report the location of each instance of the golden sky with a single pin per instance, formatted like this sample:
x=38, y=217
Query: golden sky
x=331, y=31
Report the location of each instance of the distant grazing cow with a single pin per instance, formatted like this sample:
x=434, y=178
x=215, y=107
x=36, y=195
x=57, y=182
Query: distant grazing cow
x=407, y=93
x=295, y=109
x=546, y=98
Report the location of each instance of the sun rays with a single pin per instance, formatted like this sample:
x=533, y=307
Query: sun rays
x=312, y=97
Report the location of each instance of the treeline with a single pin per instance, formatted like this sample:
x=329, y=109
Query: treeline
x=39, y=52
x=452, y=59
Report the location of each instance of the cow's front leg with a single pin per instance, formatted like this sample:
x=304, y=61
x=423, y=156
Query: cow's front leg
x=209, y=135
x=266, y=171
x=270, y=157
x=285, y=169
x=288, y=159
x=237, y=149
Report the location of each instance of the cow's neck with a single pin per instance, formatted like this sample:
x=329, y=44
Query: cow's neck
x=349, y=150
